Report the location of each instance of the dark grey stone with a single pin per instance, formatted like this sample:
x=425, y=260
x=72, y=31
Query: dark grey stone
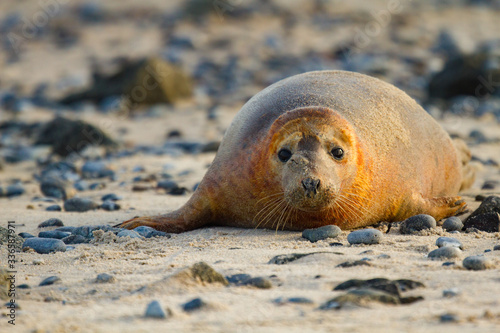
x=110, y=206
x=328, y=231
x=44, y=245
x=26, y=235
x=194, y=304
x=148, y=232
x=489, y=222
x=53, y=234
x=14, y=190
x=79, y=205
x=417, y=223
x=53, y=222
x=105, y=278
x=110, y=197
x=66, y=229
x=448, y=318
x=53, y=188
x=53, y=208
x=75, y=239
x=447, y=252
x=453, y=224
x=49, y=281
x=365, y=236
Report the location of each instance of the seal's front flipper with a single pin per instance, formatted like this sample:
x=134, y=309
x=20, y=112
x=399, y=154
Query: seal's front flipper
x=195, y=214
x=443, y=207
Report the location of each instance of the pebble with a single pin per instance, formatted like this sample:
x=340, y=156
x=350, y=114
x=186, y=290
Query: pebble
x=53, y=188
x=81, y=185
x=452, y=292
x=44, y=245
x=328, y=231
x=495, y=248
x=66, y=229
x=110, y=206
x=14, y=190
x=453, y=224
x=449, y=241
x=194, y=304
x=447, y=252
x=155, y=310
x=49, y=281
x=52, y=222
x=79, y=205
x=148, y=232
x=259, y=282
x=477, y=263
x=417, y=223
x=87, y=230
x=448, y=318
x=53, y=234
x=26, y=235
x=489, y=222
x=110, y=197
x=74, y=239
x=96, y=169
x=365, y=236
x=53, y=208
x=238, y=279
x=128, y=233
x=105, y=278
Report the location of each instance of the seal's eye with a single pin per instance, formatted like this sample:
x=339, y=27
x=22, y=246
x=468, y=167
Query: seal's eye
x=284, y=154
x=337, y=153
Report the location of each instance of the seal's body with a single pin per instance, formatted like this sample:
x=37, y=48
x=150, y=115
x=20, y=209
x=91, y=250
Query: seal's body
x=327, y=147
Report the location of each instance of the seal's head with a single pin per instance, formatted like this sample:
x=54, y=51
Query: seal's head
x=315, y=151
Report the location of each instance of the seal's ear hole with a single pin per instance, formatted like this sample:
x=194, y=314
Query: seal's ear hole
x=284, y=154
x=338, y=153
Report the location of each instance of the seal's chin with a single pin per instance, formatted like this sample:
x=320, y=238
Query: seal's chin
x=307, y=205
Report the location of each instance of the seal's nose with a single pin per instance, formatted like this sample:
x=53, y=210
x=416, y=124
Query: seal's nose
x=311, y=186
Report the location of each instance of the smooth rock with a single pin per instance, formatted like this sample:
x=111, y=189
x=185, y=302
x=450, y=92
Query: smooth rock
x=496, y=248
x=54, y=188
x=489, y=222
x=477, y=263
x=365, y=236
x=449, y=241
x=453, y=224
x=44, y=245
x=490, y=204
x=417, y=223
x=66, y=228
x=110, y=197
x=129, y=233
x=75, y=239
x=194, y=304
x=26, y=235
x=448, y=318
x=259, y=282
x=96, y=169
x=79, y=205
x=238, y=279
x=110, y=206
x=328, y=231
x=52, y=222
x=53, y=234
x=447, y=252
x=49, y=281
x=452, y=292
x=53, y=208
x=14, y=190
x=148, y=232
x=105, y=278
x=155, y=310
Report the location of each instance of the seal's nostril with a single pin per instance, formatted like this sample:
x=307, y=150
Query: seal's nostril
x=310, y=185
